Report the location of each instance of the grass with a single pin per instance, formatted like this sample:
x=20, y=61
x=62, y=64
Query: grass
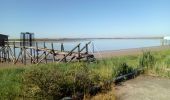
x=10, y=83
x=59, y=80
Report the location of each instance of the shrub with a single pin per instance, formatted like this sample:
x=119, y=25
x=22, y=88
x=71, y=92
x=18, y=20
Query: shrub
x=53, y=81
x=44, y=82
x=147, y=60
x=123, y=69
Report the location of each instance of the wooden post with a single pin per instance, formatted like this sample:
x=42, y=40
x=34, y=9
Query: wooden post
x=93, y=47
x=53, y=51
x=14, y=51
x=34, y=55
x=62, y=47
x=7, y=50
x=5, y=54
x=25, y=56
x=0, y=54
x=45, y=53
x=31, y=55
x=78, y=52
x=37, y=52
x=22, y=54
x=87, y=49
x=87, y=52
x=62, y=50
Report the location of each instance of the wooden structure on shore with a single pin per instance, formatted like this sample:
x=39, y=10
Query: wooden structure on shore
x=33, y=54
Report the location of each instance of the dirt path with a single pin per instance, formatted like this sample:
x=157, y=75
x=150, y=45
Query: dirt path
x=144, y=88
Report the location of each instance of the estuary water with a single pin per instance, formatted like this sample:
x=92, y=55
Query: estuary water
x=106, y=44
x=118, y=44
x=98, y=45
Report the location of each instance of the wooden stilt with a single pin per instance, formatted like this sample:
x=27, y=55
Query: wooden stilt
x=0, y=54
x=34, y=55
x=22, y=60
x=87, y=52
x=78, y=52
x=25, y=56
x=37, y=52
x=62, y=50
x=45, y=53
x=7, y=50
x=14, y=51
x=52, y=47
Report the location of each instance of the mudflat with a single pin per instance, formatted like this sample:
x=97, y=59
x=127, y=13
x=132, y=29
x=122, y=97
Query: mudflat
x=144, y=88
x=124, y=52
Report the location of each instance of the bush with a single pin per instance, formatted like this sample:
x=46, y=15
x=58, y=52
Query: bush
x=45, y=82
x=123, y=69
x=53, y=81
x=147, y=60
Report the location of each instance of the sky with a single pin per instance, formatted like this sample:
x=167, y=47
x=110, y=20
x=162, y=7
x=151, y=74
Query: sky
x=85, y=18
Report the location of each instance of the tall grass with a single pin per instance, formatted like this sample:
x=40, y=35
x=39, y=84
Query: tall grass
x=10, y=83
x=156, y=63
x=49, y=81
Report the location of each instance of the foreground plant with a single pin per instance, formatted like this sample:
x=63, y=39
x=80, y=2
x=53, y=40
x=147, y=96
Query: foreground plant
x=147, y=60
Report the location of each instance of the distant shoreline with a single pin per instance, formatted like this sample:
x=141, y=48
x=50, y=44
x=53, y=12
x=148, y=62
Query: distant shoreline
x=77, y=39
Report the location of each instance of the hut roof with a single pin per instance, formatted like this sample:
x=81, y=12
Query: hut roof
x=167, y=37
x=3, y=35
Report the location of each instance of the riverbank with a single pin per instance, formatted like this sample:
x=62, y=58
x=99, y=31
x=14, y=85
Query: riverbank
x=79, y=79
x=125, y=52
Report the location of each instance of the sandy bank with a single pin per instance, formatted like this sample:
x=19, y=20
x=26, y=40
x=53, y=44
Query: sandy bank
x=124, y=52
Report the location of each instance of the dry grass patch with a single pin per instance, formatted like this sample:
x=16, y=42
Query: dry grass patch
x=108, y=95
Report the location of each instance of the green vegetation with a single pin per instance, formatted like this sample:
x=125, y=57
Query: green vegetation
x=156, y=63
x=10, y=83
x=77, y=80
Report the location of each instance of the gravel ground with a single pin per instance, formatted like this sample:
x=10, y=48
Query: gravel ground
x=144, y=88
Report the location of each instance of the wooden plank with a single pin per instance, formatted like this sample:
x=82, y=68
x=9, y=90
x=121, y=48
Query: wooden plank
x=17, y=57
x=69, y=53
x=47, y=50
x=42, y=58
x=85, y=46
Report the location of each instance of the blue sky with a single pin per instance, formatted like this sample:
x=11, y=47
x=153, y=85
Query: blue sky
x=85, y=18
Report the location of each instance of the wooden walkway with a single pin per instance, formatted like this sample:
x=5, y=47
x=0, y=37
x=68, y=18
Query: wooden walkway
x=37, y=55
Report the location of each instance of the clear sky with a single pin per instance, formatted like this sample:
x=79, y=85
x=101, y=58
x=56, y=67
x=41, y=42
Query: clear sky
x=85, y=18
